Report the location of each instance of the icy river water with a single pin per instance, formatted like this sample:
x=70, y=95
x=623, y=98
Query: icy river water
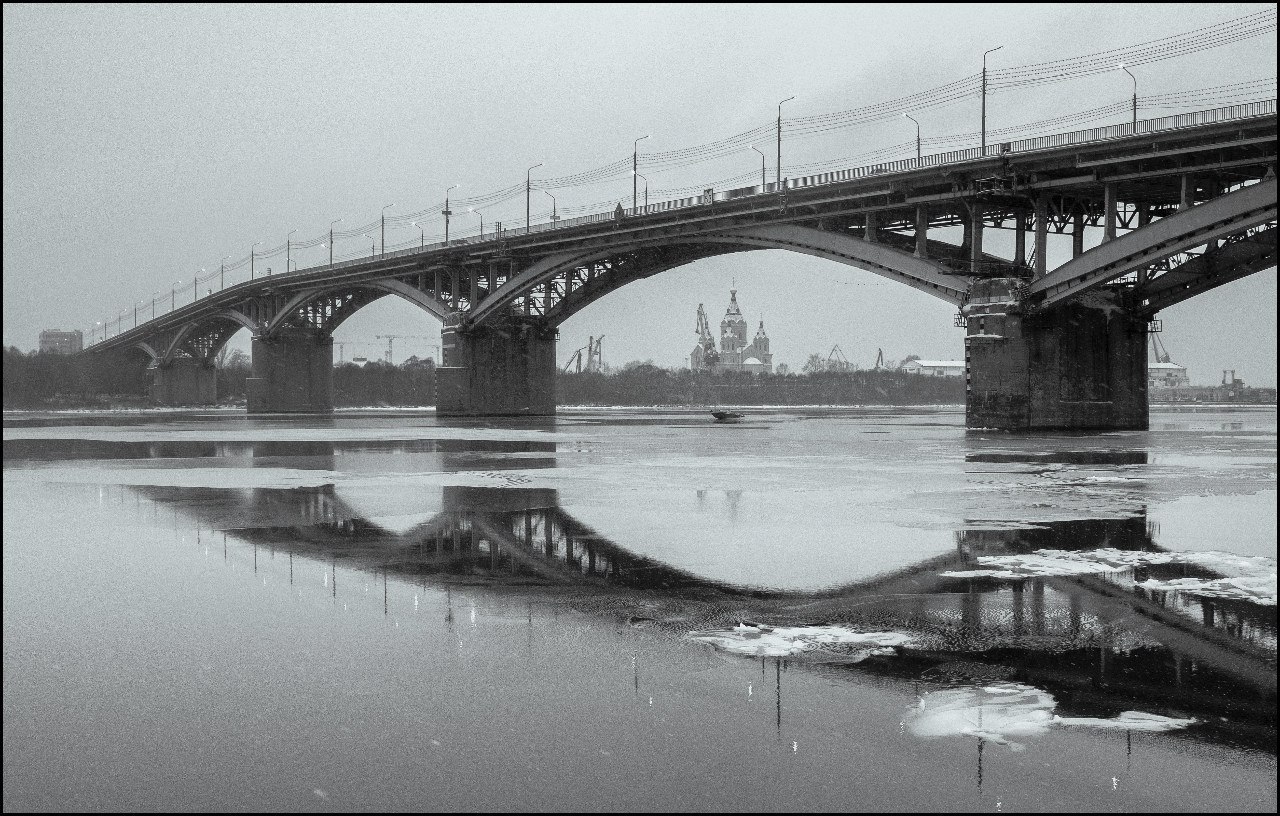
x=638, y=610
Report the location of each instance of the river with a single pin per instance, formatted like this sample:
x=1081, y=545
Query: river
x=632, y=609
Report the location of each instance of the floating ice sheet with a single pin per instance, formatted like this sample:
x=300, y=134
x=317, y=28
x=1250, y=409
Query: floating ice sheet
x=785, y=641
x=1003, y=712
x=1247, y=578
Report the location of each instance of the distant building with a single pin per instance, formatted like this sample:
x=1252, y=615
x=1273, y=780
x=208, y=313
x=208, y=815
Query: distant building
x=935, y=368
x=734, y=353
x=54, y=341
x=1167, y=375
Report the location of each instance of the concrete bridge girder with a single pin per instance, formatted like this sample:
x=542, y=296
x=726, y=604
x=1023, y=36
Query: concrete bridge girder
x=1216, y=218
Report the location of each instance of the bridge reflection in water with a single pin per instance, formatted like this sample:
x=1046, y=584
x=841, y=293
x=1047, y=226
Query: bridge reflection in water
x=1097, y=640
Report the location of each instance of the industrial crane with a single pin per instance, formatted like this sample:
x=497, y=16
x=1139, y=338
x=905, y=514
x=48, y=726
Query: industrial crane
x=391, y=338
x=1157, y=348
x=836, y=361
x=705, y=338
x=879, y=360
x=592, y=348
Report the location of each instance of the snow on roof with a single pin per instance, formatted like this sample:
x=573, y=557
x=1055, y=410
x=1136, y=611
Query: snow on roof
x=751, y=361
x=1167, y=366
x=936, y=363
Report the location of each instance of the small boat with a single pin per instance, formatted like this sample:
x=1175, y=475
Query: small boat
x=726, y=416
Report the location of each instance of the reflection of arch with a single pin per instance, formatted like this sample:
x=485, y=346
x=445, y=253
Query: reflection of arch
x=645, y=259
x=358, y=296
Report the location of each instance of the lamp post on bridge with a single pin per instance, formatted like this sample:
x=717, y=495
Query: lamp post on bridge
x=251, y=259
x=98, y=323
x=173, y=295
x=472, y=210
x=222, y=273
x=762, y=178
x=331, y=223
x=528, y=187
x=778, y=179
x=984, y=96
x=446, y=212
x=288, y=253
x=554, y=216
x=635, y=165
x=384, y=228
x=422, y=236
x=913, y=119
x=155, y=296
x=646, y=191
x=195, y=286
x=1134, y=120
x=373, y=245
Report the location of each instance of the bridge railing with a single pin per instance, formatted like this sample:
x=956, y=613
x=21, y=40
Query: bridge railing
x=1091, y=135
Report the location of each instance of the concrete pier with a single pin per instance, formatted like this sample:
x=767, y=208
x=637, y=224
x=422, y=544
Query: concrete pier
x=500, y=370
x=292, y=373
x=1080, y=366
x=184, y=382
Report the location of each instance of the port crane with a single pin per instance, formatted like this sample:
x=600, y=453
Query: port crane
x=836, y=361
x=1158, y=349
x=392, y=338
x=592, y=348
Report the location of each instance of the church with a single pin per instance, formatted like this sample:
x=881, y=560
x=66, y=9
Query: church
x=734, y=354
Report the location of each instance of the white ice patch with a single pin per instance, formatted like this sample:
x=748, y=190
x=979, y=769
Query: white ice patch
x=785, y=641
x=1247, y=578
x=1003, y=711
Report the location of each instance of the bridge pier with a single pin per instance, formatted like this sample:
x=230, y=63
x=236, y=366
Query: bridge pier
x=1079, y=366
x=292, y=373
x=497, y=370
x=184, y=382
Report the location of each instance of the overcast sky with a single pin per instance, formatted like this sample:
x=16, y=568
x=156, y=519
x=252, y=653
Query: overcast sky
x=144, y=143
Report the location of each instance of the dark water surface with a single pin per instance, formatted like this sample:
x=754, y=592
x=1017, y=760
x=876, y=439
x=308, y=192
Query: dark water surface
x=845, y=609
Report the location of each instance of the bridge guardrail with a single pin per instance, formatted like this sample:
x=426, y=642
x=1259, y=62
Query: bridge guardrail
x=1162, y=124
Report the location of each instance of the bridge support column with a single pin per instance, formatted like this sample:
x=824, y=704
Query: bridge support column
x=184, y=382
x=292, y=373
x=1080, y=366
x=498, y=370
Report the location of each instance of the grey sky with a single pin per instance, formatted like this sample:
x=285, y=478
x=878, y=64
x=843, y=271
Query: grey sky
x=143, y=143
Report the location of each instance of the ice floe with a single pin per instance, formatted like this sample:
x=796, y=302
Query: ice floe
x=1247, y=578
x=1005, y=711
x=785, y=641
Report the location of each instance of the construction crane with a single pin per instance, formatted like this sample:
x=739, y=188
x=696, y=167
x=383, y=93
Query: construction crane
x=1157, y=348
x=836, y=361
x=391, y=338
x=706, y=340
x=592, y=348
x=879, y=360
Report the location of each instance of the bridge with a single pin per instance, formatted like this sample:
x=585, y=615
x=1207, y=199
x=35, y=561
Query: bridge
x=1184, y=204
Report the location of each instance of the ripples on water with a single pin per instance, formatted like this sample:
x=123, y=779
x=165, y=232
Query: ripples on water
x=638, y=610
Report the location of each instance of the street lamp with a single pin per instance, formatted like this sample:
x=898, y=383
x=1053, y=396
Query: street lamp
x=331, y=223
x=373, y=245
x=222, y=280
x=384, y=228
x=446, y=213
x=422, y=236
x=155, y=296
x=173, y=295
x=554, y=217
x=913, y=119
x=984, y=96
x=473, y=211
x=1135, y=95
x=762, y=179
x=635, y=165
x=646, y=192
x=135, y=313
x=252, y=256
x=288, y=266
x=195, y=286
x=528, y=187
x=778, y=179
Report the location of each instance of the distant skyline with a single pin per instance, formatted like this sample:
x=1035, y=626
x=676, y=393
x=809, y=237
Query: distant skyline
x=144, y=143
